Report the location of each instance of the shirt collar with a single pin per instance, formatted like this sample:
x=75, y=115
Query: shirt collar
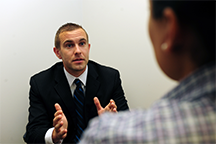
x=200, y=81
x=82, y=77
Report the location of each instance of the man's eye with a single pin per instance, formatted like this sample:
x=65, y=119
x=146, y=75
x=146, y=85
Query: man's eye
x=82, y=43
x=69, y=45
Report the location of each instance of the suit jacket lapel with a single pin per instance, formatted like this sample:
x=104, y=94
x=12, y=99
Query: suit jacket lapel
x=92, y=87
x=64, y=92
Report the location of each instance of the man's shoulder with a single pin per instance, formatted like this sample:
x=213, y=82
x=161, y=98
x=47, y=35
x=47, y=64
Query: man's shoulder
x=49, y=71
x=102, y=68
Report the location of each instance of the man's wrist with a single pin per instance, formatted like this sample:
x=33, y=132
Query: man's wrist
x=55, y=139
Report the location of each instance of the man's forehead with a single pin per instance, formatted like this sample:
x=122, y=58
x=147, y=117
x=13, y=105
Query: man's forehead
x=78, y=34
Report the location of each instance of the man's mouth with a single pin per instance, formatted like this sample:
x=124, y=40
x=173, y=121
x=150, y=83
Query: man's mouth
x=78, y=60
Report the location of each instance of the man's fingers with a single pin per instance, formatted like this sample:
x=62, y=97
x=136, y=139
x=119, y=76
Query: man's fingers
x=112, y=104
x=57, y=107
x=115, y=110
x=60, y=132
x=65, y=134
x=112, y=101
x=57, y=119
x=97, y=103
x=58, y=126
x=58, y=113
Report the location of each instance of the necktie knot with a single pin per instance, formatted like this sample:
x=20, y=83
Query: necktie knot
x=77, y=82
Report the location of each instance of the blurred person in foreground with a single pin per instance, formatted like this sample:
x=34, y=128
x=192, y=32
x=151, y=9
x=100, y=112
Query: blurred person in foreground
x=66, y=96
x=183, y=37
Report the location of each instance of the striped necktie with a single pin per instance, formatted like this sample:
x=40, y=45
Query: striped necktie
x=79, y=107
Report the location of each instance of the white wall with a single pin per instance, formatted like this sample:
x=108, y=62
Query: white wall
x=27, y=30
x=118, y=36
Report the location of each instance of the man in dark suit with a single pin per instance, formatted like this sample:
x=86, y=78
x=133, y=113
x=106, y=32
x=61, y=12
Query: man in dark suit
x=53, y=111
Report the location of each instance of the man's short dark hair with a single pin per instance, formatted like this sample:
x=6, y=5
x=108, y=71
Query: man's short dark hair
x=64, y=28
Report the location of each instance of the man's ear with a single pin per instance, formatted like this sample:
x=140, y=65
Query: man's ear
x=89, y=45
x=172, y=29
x=57, y=52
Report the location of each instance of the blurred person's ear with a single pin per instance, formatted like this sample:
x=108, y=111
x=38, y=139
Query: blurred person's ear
x=172, y=31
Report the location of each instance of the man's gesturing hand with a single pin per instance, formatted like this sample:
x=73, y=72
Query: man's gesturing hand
x=60, y=125
x=111, y=107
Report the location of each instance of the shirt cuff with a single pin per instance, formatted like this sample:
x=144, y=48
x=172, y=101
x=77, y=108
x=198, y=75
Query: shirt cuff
x=48, y=137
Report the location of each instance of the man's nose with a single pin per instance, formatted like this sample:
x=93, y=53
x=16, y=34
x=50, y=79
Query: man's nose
x=77, y=49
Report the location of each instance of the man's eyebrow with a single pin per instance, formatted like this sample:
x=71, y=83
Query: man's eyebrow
x=82, y=39
x=67, y=41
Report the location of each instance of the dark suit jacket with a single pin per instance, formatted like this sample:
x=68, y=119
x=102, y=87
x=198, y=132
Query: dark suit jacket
x=51, y=86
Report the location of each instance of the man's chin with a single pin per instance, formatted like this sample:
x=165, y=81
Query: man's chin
x=79, y=69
